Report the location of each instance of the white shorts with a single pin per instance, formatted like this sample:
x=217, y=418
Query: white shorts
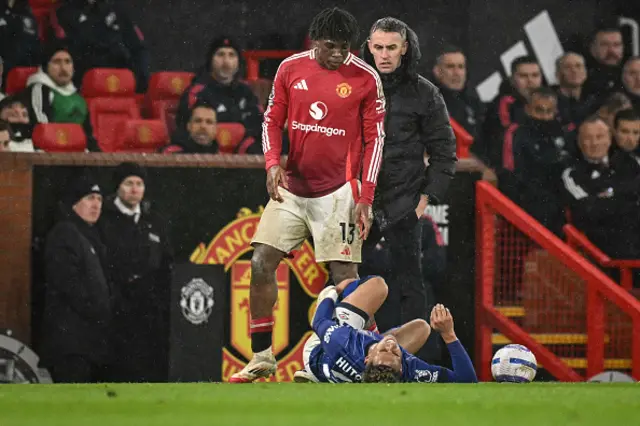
x=330, y=220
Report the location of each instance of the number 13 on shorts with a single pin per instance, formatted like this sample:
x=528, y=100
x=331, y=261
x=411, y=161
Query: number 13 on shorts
x=348, y=232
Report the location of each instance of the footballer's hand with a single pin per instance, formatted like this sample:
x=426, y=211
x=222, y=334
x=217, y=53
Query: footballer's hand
x=276, y=176
x=363, y=219
x=442, y=322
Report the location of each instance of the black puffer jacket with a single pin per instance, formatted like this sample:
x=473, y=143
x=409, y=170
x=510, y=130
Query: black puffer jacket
x=417, y=120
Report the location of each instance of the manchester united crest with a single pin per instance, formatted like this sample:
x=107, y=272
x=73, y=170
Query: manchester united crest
x=343, y=90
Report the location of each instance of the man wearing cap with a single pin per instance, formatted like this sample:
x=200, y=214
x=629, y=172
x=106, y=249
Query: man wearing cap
x=218, y=85
x=51, y=97
x=77, y=306
x=139, y=260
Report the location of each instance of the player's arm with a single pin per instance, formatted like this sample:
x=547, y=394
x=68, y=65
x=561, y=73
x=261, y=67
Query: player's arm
x=463, y=371
x=323, y=318
x=275, y=117
x=373, y=113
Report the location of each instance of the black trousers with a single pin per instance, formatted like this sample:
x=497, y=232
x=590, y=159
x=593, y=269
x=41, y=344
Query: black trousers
x=407, y=299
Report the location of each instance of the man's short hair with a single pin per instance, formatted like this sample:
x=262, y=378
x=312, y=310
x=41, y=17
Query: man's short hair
x=544, y=92
x=334, y=24
x=626, y=115
x=201, y=105
x=615, y=101
x=522, y=60
x=605, y=28
x=380, y=374
x=562, y=57
x=448, y=49
x=593, y=118
x=390, y=25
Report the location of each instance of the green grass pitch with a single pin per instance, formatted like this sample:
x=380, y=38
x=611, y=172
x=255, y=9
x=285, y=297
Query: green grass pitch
x=287, y=404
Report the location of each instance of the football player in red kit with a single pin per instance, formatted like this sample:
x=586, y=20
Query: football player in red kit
x=333, y=104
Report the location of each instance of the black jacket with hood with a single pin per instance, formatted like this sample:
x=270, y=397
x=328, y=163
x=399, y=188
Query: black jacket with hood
x=417, y=121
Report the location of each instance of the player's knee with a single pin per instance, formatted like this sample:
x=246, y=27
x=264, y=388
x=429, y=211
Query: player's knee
x=381, y=287
x=264, y=262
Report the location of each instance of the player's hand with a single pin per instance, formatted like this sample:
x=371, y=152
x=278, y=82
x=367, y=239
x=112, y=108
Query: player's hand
x=422, y=205
x=363, y=219
x=442, y=322
x=276, y=176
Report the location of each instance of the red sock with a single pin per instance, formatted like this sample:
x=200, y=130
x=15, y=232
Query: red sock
x=261, y=330
x=374, y=328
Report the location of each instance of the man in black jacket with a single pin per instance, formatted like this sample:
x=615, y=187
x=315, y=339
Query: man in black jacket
x=602, y=204
x=78, y=300
x=20, y=46
x=219, y=86
x=536, y=152
x=417, y=122
x=139, y=259
x=450, y=73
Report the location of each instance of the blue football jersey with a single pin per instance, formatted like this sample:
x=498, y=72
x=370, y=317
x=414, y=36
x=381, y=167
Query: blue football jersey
x=340, y=356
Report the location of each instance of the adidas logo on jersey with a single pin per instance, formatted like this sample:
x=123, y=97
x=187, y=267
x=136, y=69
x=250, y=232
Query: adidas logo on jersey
x=301, y=85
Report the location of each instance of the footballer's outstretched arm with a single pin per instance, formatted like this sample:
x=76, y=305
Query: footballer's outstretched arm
x=463, y=371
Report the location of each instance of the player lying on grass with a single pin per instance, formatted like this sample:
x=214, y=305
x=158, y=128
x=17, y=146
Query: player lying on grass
x=341, y=352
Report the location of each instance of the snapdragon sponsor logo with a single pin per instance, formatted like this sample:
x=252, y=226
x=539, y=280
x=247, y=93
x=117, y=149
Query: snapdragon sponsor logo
x=316, y=128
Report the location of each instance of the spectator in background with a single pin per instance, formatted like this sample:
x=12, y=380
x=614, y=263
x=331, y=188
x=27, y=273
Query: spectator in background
x=626, y=152
x=15, y=113
x=602, y=204
x=631, y=80
x=574, y=105
x=78, y=310
x=101, y=35
x=612, y=105
x=51, y=96
x=604, y=62
x=200, y=135
x=19, y=44
x=220, y=87
x=539, y=155
x=507, y=108
x=450, y=75
x=139, y=263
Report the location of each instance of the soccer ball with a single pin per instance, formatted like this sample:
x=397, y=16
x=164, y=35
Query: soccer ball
x=515, y=364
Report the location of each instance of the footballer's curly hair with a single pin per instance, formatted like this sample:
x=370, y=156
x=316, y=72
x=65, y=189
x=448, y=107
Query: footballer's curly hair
x=380, y=374
x=334, y=24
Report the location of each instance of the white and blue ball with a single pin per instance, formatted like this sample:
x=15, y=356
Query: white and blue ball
x=514, y=364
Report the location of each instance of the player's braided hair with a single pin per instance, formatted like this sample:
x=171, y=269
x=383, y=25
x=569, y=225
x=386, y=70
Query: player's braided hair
x=334, y=24
x=380, y=374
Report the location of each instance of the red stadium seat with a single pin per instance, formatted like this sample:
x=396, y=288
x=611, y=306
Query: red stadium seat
x=106, y=116
x=17, y=79
x=108, y=82
x=229, y=136
x=165, y=110
x=142, y=136
x=59, y=137
x=168, y=84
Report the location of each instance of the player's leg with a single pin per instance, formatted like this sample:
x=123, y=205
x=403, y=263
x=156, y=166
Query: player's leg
x=281, y=229
x=360, y=300
x=412, y=335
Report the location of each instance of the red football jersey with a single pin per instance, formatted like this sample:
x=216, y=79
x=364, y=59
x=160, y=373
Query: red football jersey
x=335, y=121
